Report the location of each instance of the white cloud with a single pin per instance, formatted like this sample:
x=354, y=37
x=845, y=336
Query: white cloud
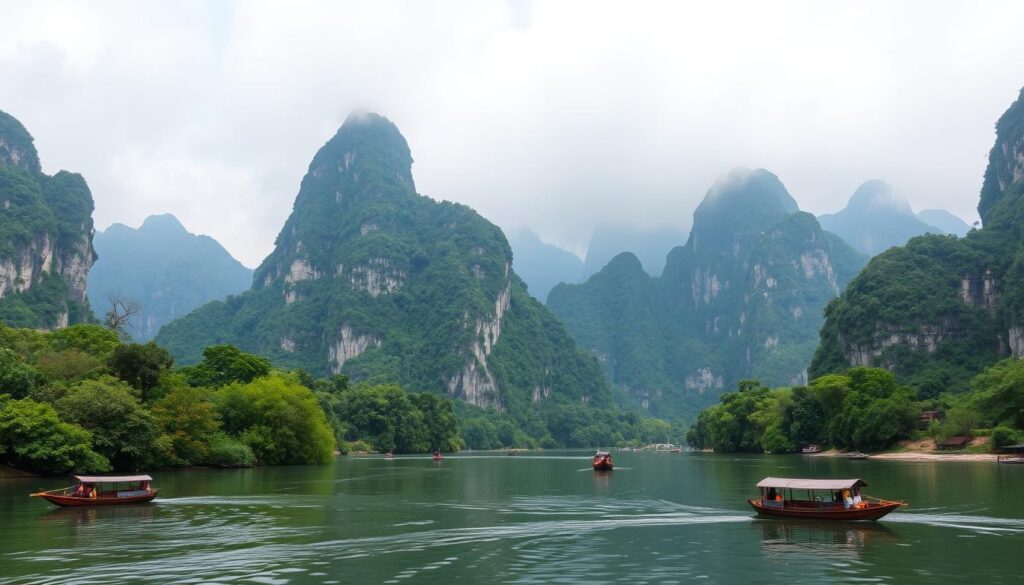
x=555, y=115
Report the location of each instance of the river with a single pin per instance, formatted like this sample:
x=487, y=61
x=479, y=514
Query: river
x=534, y=518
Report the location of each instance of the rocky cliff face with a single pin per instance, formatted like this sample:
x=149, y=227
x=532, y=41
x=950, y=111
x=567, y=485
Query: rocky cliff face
x=163, y=267
x=743, y=298
x=372, y=280
x=940, y=309
x=45, y=237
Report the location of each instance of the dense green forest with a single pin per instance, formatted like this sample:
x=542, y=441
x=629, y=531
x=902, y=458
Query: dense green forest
x=863, y=409
x=82, y=399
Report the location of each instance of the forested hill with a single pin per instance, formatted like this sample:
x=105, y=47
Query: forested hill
x=742, y=299
x=940, y=309
x=45, y=237
x=371, y=279
x=164, y=268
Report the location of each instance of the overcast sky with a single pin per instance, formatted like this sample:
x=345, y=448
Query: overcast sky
x=553, y=115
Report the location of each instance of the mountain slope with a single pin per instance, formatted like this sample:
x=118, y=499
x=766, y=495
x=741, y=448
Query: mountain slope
x=370, y=279
x=743, y=298
x=875, y=219
x=940, y=309
x=45, y=237
x=542, y=265
x=168, y=270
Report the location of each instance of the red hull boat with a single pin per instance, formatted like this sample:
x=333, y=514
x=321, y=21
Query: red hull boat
x=603, y=461
x=95, y=490
x=779, y=498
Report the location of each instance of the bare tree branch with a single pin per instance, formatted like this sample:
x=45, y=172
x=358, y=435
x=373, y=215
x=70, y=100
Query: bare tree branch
x=120, y=315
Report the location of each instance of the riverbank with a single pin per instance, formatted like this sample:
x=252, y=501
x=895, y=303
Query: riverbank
x=924, y=450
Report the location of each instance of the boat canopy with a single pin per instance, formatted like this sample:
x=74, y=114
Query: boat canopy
x=810, y=484
x=111, y=478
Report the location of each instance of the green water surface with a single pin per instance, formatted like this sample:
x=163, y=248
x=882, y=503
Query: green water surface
x=535, y=518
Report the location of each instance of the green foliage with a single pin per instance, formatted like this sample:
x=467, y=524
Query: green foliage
x=998, y=393
x=122, y=429
x=190, y=421
x=278, y=418
x=391, y=420
x=17, y=378
x=33, y=437
x=1003, y=436
x=864, y=408
x=141, y=365
x=225, y=451
x=226, y=364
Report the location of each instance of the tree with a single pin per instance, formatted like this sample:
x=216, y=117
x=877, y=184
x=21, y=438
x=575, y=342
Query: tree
x=91, y=339
x=122, y=311
x=33, y=437
x=141, y=365
x=123, y=430
x=385, y=416
x=278, y=418
x=226, y=364
x=999, y=392
x=439, y=419
x=17, y=378
x=189, y=420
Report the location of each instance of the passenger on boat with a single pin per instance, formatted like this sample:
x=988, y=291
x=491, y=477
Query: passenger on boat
x=772, y=494
x=847, y=500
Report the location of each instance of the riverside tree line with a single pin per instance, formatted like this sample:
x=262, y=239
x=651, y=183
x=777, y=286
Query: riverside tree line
x=864, y=409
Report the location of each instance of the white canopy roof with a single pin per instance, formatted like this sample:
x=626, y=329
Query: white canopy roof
x=111, y=478
x=810, y=484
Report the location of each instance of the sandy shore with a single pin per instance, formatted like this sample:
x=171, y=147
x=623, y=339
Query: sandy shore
x=918, y=456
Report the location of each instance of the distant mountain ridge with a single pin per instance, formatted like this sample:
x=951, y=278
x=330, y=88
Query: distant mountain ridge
x=542, y=265
x=743, y=298
x=45, y=237
x=650, y=245
x=876, y=219
x=168, y=270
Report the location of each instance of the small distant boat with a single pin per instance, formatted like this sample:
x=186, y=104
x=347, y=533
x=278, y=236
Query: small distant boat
x=102, y=490
x=676, y=450
x=843, y=500
x=856, y=455
x=437, y=456
x=603, y=461
x=389, y=455
x=810, y=449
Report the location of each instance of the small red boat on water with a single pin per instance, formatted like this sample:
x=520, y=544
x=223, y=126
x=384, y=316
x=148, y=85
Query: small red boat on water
x=102, y=490
x=843, y=500
x=437, y=456
x=603, y=461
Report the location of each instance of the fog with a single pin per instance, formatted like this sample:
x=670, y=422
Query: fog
x=558, y=116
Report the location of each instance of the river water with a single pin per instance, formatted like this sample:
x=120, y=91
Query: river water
x=534, y=518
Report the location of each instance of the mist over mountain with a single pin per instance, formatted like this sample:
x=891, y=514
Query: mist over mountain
x=743, y=298
x=166, y=269
x=45, y=237
x=876, y=219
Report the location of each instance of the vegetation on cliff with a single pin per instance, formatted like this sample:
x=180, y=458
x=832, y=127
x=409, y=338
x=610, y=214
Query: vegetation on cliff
x=939, y=310
x=45, y=237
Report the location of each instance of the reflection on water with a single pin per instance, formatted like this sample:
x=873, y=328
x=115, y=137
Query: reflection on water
x=822, y=539
x=525, y=519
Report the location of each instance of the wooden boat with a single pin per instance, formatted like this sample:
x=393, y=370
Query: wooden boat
x=102, y=490
x=810, y=449
x=437, y=456
x=842, y=500
x=603, y=461
x=856, y=455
